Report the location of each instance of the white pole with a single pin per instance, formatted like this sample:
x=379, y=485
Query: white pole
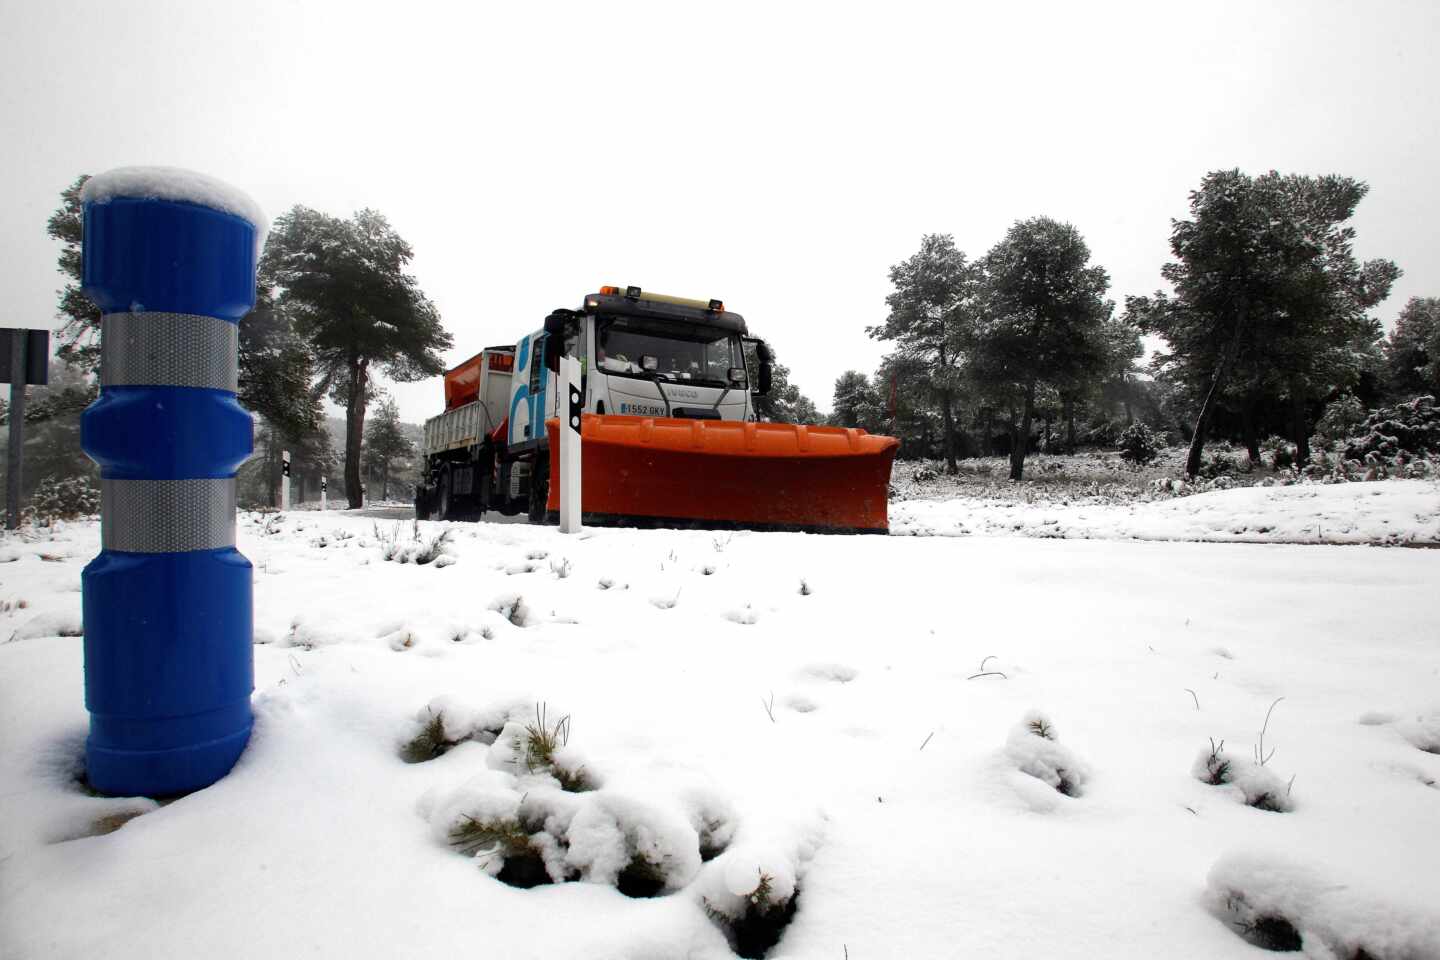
x=284, y=479
x=570, y=446
x=324, y=481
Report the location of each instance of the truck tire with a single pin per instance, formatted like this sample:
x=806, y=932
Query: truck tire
x=444, y=498
x=539, y=488
x=422, y=504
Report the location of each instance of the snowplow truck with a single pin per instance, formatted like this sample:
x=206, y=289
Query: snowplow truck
x=670, y=436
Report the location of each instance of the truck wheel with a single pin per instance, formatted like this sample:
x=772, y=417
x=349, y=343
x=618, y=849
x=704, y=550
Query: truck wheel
x=444, y=499
x=539, y=489
x=422, y=504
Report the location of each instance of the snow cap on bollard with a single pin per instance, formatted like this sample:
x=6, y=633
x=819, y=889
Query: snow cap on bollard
x=169, y=256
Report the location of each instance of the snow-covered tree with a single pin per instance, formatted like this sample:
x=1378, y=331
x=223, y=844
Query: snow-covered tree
x=1268, y=298
x=936, y=299
x=1412, y=352
x=344, y=284
x=1046, y=324
x=385, y=443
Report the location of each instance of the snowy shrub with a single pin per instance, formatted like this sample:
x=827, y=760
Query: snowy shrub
x=414, y=548
x=1281, y=451
x=1343, y=417
x=487, y=819
x=1223, y=465
x=1137, y=444
x=1034, y=750
x=513, y=608
x=66, y=499
x=751, y=893
x=1423, y=732
x=542, y=749
x=1278, y=904
x=1412, y=428
x=642, y=850
x=713, y=819
x=1254, y=784
x=307, y=634
x=445, y=723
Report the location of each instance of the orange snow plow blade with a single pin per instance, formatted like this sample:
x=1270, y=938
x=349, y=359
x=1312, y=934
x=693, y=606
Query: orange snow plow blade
x=662, y=472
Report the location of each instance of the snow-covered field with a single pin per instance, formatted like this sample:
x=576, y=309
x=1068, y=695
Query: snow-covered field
x=927, y=746
x=1393, y=512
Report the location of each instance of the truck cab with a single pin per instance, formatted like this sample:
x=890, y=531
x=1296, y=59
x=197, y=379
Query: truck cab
x=641, y=354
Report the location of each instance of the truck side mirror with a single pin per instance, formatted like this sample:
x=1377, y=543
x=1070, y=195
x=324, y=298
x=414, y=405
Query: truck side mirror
x=552, y=352
x=555, y=338
x=764, y=356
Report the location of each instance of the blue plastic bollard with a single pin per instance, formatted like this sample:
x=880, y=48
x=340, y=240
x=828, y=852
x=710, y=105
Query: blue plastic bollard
x=169, y=666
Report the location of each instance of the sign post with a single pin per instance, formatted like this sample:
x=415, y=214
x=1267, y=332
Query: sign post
x=24, y=359
x=323, y=483
x=570, y=446
x=168, y=606
x=284, y=479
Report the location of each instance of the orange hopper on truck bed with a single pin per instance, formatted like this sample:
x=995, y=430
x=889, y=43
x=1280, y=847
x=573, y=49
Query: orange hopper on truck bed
x=664, y=472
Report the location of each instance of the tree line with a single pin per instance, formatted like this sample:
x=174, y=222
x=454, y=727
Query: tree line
x=335, y=305
x=1265, y=324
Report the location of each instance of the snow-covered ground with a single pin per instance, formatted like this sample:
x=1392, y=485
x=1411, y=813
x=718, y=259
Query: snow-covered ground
x=1395, y=512
x=987, y=746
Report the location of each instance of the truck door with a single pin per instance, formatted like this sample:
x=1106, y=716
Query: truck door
x=537, y=382
x=529, y=378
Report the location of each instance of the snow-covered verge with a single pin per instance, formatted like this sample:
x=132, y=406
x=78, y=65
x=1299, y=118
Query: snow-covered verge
x=916, y=747
x=1390, y=512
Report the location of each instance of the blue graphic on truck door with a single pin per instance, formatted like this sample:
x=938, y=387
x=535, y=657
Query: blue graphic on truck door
x=537, y=382
x=518, y=431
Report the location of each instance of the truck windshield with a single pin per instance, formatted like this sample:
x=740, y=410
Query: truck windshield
x=684, y=351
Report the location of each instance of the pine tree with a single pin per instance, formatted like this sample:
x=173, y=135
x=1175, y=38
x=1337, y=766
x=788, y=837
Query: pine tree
x=1412, y=353
x=856, y=403
x=385, y=443
x=1046, y=324
x=79, y=335
x=344, y=284
x=1268, y=299
x=934, y=303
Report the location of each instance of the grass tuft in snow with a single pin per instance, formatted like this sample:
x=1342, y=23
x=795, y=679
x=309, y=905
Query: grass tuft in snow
x=1256, y=786
x=1034, y=749
x=506, y=838
x=429, y=743
x=759, y=927
x=1040, y=726
x=1216, y=765
x=416, y=549
x=542, y=752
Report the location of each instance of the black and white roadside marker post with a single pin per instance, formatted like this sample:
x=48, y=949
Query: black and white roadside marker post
x=570, y=446
x=284, y=479
x=24, y=359
x=324, y=482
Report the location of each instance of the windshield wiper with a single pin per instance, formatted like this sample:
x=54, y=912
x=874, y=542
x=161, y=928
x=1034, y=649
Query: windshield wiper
x=655, y=379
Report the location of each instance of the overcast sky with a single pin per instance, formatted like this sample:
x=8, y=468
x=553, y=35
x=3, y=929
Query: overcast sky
x=778, y=157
